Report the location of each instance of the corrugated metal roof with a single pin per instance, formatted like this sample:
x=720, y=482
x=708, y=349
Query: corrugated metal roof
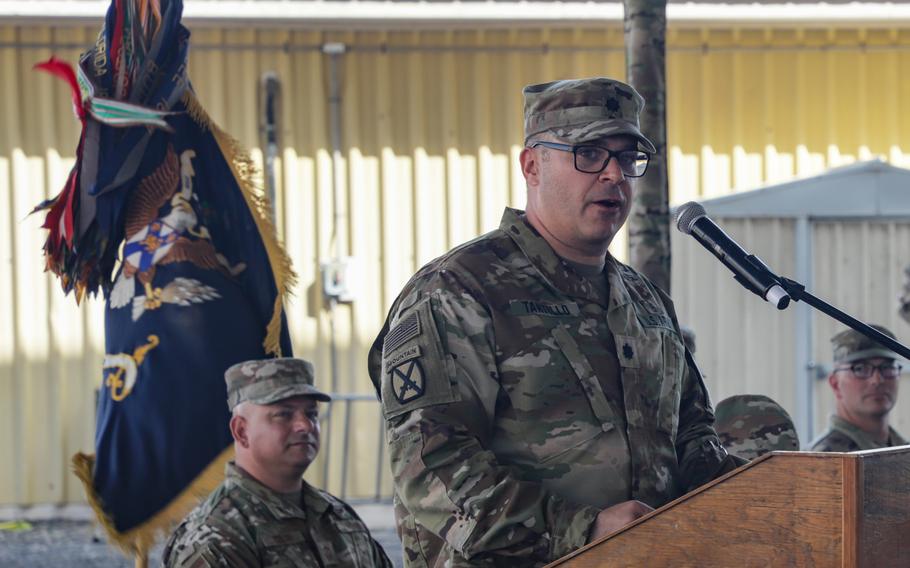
x=865, y=189
x=396, y=14
x=459, y=2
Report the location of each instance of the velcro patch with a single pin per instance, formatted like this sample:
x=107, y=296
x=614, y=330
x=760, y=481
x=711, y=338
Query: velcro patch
x=627, y=347
x=407, y=329
x=655, y=320
x=412, y=352
x=408, y=381
x=282, y=537
x=532, y=308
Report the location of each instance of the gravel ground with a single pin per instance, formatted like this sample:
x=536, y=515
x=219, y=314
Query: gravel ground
x=77, y=543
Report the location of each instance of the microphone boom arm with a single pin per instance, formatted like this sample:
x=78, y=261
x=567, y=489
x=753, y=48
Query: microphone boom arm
x=798, y=292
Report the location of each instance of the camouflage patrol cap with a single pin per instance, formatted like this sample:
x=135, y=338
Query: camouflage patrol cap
x=264, y=381
x=583, y=110
x=850, y=345
x=750, y=425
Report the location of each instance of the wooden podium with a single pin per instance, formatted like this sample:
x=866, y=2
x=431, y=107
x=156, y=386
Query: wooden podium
x=783, y=509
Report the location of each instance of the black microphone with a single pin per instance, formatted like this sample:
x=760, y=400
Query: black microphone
x=747, y=269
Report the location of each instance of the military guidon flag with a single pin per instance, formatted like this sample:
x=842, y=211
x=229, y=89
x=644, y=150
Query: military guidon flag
x=160, y=214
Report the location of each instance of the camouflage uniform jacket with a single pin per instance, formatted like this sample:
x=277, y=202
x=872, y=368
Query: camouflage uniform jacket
x=843, y=436
x=245, y=524
x=520, y=401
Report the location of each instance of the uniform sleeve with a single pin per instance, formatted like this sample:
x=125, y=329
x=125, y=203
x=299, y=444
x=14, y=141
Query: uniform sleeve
x=211, y=547
x=699, y=452
x=445, y=472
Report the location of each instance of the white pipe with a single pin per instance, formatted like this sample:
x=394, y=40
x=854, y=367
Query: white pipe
x=805, y=368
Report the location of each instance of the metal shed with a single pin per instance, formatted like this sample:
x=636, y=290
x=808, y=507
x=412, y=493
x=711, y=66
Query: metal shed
x=845, y=234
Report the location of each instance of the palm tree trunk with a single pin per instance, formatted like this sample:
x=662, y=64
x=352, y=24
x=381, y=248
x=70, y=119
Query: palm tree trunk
x=649, y=221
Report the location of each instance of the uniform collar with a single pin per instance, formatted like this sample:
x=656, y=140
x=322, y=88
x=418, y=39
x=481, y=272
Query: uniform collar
x=861, y=437
x=314, y=500
x=551, y=267
x=281, y=508
x=619, y=293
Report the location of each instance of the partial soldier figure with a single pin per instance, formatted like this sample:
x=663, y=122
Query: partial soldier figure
x=536, y=391
x=903, y=307
x=864, y=381
x=688, y=337
x=264, y=513
x=751, y=425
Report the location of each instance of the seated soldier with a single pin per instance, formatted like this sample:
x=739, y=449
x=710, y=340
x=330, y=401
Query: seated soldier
x=688, y=336
x=264, y=513
x=864, y=381
x=751, y=425
x=903, y=307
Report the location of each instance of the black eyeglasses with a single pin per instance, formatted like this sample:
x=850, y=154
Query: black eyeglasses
x=592, y=159
x=866, y=370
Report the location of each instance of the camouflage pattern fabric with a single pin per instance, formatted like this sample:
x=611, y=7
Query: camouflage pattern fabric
x=843, y=436
x=264, y=381
x=520, y=400
x=581, y=110
x=245, y=524
x=850, y=345
x=752, y=425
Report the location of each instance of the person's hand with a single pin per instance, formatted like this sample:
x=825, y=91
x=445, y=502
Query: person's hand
x=616, y=517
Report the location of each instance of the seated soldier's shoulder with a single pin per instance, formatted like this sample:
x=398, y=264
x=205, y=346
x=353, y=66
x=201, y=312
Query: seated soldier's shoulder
x=215, y=533
x=210, y=544
x=227, y=504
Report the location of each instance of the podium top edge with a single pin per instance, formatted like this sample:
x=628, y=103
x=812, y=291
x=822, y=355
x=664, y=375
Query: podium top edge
x=857, y=454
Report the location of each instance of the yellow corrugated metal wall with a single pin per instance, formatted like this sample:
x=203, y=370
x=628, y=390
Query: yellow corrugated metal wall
x=50, y=351
x=431, y=131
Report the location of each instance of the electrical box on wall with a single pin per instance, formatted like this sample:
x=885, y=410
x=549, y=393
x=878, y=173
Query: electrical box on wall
x=339, y=278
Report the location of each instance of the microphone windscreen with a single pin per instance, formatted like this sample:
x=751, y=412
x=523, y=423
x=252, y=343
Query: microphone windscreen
x=688, y=214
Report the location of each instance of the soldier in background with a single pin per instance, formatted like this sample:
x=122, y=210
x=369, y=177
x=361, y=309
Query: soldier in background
x=688, y=337
x=864, y=381
x=903, y=307
x=536, y=391
x=264, y=513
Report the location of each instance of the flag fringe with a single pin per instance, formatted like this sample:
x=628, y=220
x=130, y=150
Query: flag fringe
x=244, y=169
x=138, y=541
